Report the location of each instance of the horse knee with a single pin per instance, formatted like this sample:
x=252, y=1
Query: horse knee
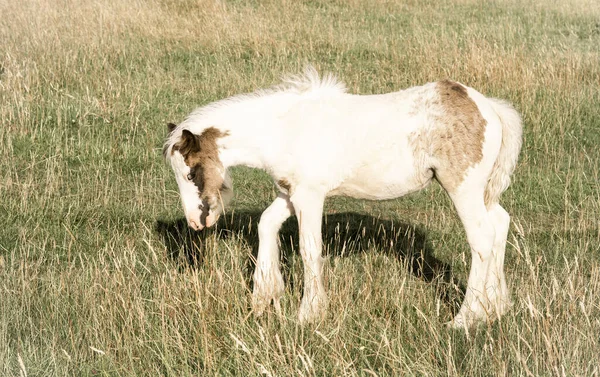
x=267, y=225
x=272, y=218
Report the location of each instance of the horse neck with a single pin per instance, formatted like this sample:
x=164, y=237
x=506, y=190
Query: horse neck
x=239, y=150
x=251, y=130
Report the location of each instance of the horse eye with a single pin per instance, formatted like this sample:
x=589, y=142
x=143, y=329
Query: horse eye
x=190, y=177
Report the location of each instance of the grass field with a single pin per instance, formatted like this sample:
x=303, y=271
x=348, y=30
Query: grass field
x=99, y=275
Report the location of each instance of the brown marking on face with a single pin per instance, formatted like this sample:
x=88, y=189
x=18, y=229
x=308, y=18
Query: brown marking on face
x=458, y=143
x=285, y=184
x=201, y=154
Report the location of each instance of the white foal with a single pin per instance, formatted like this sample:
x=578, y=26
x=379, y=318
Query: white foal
x=316, y=140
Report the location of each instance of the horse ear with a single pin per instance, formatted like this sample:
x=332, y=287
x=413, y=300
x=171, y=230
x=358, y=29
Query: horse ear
x=171, y=127
x=188, y=143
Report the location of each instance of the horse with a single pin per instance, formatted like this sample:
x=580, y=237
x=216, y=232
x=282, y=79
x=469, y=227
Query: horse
x=317, y=140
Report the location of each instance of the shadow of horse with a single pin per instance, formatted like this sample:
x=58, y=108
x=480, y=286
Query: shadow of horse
x=344, y=234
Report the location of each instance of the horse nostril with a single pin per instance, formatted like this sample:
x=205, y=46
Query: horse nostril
x=195, y=225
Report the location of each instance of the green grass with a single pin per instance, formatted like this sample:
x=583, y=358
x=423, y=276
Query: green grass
x=99, y=276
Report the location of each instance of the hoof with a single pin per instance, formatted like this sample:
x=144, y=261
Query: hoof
x=267, y=291
x=312, y=310
x=261, y=303
x=460, y=323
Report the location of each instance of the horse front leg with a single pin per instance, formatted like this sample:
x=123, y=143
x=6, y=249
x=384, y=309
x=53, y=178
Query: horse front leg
x=268, y=281
x=308, y=206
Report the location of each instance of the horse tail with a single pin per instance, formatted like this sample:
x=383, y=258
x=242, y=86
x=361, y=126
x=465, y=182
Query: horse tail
x=509, y=151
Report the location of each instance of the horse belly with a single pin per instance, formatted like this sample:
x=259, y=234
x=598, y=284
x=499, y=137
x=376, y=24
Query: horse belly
x=377, y=182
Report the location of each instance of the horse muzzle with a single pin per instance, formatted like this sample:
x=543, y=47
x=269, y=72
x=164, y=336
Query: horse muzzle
x=203, y=220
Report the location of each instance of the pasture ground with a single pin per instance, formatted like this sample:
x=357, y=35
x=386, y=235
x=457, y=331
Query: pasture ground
x=100, y=277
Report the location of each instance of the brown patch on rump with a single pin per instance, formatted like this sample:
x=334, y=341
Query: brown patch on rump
x=201, y=154
x=458, y=143
x=285, y=184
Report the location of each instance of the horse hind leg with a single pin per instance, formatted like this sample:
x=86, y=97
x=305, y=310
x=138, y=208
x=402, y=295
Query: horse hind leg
x=487, y=296
x=500, y=297
x=481, y=235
